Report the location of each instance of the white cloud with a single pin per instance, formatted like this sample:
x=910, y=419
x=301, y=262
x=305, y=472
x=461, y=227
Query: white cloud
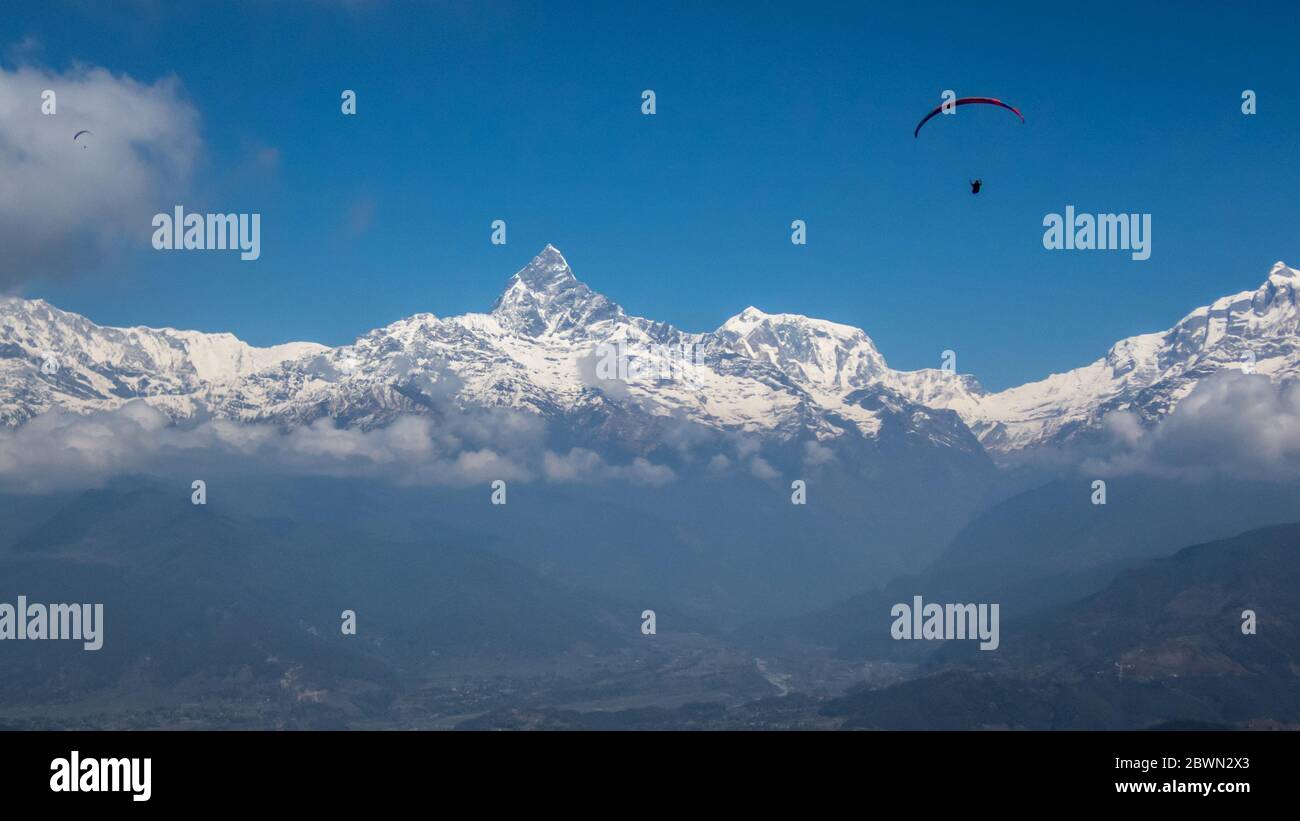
x=1231, y=425
x=59, y=450
x=815, y=454
x=582, y=465
x=760, y=468
x=63, y=204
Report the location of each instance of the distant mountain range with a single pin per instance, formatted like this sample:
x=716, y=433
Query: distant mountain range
x=782, y=376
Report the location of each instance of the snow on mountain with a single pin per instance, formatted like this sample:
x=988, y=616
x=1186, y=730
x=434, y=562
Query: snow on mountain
x=546, y=347
x=546, y=299
x=540, y=349
x=50, y=357
x=834, y=358
x=1147, y=374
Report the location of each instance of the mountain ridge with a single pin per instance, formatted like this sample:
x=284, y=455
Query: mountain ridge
x=536, y=349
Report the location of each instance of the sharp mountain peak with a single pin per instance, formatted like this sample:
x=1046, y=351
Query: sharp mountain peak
x=544, y=297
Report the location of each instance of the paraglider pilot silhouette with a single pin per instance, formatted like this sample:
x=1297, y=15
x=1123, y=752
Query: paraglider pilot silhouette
x=975, y=186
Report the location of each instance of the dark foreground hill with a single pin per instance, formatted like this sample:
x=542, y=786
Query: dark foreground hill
x=1163, y=643
x=1041, y=548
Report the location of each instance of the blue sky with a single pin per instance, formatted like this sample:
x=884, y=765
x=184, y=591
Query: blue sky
x=530, y=112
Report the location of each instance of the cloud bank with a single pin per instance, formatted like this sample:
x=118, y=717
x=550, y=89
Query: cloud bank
x=1232, y=425
x=60, y=450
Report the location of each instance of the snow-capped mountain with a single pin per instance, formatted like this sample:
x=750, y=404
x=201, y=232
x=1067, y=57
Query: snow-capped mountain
x=1253, y=331
x=553, y=347
x=546, y=346
x=52, y=358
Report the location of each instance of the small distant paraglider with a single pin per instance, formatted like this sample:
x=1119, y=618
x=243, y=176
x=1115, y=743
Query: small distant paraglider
x=78, y=134
x=950, y=105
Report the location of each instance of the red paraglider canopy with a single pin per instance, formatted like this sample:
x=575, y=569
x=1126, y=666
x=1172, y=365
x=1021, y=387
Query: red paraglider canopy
x=965, y=101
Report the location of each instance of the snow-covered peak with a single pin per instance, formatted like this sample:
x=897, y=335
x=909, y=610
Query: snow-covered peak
x=744, y=321
x=52, y=357
x=814, y=351
x=1147, y=374
x=549, y=271
x=37, y=326
x=545, y=298
x=1282, y=280
x=1268, y=312
x=752, y=319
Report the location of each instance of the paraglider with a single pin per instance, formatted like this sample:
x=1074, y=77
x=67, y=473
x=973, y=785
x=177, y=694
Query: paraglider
x=78, y=134
x=948, y=106
x=964, y=101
